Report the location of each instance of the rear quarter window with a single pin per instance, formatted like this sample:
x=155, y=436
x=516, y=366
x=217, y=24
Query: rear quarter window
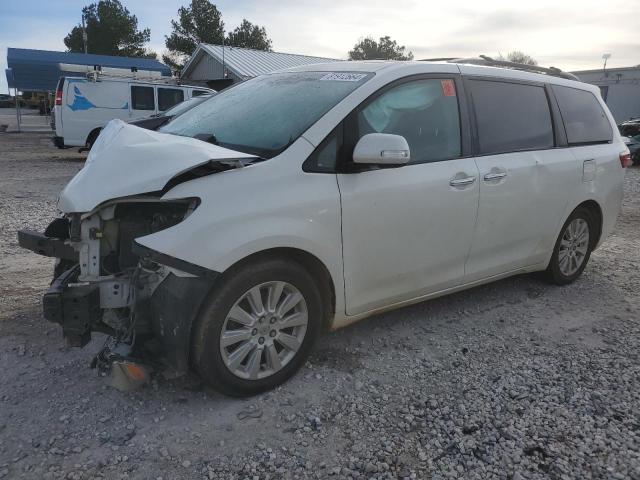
x=584, y=119
x=511, y=117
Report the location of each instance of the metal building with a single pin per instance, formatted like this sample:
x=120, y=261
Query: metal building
x=219, y=66
x=620, y=88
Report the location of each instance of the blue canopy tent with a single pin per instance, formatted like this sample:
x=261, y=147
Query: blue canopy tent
x=39, y=70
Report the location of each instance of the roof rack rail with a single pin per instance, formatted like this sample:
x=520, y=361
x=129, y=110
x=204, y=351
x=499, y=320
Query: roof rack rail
x=96, y=73
x=144, y=76
x=490, y=62
x=440, y=59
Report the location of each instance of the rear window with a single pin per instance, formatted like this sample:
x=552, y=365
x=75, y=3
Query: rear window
x=197, y=93
x=511, y=117
x=168, y=97
x=142, y=98
x=583, y=117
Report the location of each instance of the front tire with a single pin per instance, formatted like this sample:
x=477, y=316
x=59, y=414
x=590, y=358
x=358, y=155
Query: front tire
x=257, y=327
x=572, y=249
x=91, y=139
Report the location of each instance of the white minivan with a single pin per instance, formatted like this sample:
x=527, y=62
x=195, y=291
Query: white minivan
x=304, y=200
x=84, y=105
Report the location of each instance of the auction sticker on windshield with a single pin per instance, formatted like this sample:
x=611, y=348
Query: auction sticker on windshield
x=343, y=77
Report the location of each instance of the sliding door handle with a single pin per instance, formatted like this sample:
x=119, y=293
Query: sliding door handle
x=494, y=176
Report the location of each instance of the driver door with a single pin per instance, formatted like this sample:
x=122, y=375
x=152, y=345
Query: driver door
x=407, y=230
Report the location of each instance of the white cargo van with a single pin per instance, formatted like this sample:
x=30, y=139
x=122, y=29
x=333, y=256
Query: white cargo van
x=84, y=105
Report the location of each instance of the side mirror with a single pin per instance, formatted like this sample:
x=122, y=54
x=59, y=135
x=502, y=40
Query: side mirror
x=382, y=149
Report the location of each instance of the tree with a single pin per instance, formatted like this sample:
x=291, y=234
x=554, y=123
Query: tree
x=200, y=22
x=111, y=30
x=519, y=57
x=248, y=35
x=385, y=49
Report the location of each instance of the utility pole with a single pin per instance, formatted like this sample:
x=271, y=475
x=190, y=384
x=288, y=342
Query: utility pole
x=605, y=57
x=84, y=34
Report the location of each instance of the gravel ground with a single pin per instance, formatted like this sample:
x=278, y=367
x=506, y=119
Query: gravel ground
x=513, y=380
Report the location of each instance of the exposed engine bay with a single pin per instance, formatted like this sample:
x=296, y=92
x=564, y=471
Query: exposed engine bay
x=100, y=284
x=104, y=241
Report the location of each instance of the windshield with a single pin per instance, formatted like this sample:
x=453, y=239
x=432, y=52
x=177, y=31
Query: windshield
x=184, y=106
x=264, y=115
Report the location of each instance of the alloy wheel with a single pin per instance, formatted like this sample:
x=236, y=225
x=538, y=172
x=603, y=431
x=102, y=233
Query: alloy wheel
x=574, y=246
x=264, y=330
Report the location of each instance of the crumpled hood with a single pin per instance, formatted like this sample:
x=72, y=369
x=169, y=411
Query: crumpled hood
x=128, y=160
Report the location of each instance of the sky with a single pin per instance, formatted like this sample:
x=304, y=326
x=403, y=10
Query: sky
x=568, y=34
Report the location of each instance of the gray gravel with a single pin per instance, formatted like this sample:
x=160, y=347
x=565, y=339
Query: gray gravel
x=514, y=380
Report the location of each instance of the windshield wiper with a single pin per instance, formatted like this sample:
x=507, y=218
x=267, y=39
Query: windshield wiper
x=207, y=137
x=211, y=138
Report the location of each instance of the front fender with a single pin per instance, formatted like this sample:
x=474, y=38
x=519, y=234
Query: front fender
x=272, y=204
x=216, y=247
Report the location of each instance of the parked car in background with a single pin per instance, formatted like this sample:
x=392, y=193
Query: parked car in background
x=630, y=131
x=157, y=120
x=6, y=101
x=9, y=101
x=305, y=200
x=84, y=105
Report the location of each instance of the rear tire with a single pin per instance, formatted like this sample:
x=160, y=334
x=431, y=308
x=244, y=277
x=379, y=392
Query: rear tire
x=572, y=249
x=241, y=342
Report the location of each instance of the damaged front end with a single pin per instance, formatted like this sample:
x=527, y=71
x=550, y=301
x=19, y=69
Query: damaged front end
x=103, y=284
x=104, y=281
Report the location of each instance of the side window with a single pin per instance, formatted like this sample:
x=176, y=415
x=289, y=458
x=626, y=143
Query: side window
x=142, y=98
x=168, y=97
x=511, y=117
x=424, y=112
x=325, y=158
x=197, y=93
x=583, y=117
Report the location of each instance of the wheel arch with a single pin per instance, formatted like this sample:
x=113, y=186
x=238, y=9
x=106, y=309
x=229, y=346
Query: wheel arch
x=596, y=212
x=93, y=135
x=309, y=262
x=179, y=301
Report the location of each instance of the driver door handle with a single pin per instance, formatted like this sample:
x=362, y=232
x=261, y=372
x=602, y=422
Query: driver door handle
x=461, y=182
x=494, y=176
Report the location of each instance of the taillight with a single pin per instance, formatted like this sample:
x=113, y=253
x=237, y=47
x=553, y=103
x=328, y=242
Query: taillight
x=58, y=97
x=625, y=159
